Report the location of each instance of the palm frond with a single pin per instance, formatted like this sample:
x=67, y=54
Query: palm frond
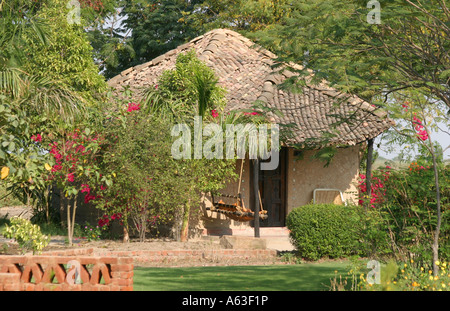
x=52, y=98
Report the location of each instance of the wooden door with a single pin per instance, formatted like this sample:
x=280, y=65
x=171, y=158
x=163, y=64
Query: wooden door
x=272, y=187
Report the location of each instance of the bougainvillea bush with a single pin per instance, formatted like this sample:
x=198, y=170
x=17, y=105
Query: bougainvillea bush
x=76, y=170
x=405, y=198
x=138, y=156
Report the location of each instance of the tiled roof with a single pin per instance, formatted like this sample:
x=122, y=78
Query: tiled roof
x=245, y=70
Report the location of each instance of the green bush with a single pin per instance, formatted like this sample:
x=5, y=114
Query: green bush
x=325, y=230
x=27, y=235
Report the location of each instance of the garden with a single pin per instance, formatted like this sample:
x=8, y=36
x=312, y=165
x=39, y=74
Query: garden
x=69, y=141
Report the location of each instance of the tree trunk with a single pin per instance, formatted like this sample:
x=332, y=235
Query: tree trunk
x=71, y=219
x=126, y=234
x=69, y=225
x=184, y=234
x=75, y=199
x=369, y=172
x=435, y=246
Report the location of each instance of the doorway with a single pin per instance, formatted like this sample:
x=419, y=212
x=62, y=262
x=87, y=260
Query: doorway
x=272, y=188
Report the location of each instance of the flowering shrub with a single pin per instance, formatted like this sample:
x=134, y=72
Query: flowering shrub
x=76, y=170
x=91, y=233
x=407, y=203
x=378, y=190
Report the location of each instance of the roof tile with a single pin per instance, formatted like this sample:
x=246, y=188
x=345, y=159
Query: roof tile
x=245, y=70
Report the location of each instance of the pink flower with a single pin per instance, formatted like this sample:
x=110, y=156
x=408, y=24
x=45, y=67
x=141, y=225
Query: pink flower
x=88, y=198
x=421, y=132
x=37, y=137
x=70, y=177
x=56, y=168
x=85, y=188
x=254, y=113
x=133, y=107
x=406, y=106
x=214, y=113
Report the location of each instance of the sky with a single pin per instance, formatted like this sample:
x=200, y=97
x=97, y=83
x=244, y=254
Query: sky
x=441, y=137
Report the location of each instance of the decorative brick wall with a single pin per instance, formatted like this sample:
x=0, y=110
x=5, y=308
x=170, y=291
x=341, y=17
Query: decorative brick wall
x=66, y=273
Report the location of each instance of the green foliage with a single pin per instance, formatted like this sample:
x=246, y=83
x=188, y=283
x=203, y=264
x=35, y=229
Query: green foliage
x=335, y=41
x=187, y=90
x=408, y=210
x=325, y=230
x=157, y=26
x=142, y=30
x=241, y=15
x=139, y=156
x=91, y=233
x=68, y=56
x=28, y=236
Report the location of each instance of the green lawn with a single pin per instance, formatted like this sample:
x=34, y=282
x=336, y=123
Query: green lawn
x=299, y=277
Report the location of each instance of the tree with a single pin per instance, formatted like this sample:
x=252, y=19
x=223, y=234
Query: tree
x=47, y=77
x=128, y=33
x=185, y=95
x=336, y=42
x=28, y=102
x=67, y=57
x=76, y=170
x=158, y=26
x=246, y=16
x=407, y=50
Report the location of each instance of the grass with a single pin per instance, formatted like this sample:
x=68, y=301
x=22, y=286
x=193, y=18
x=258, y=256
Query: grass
x=300, y=277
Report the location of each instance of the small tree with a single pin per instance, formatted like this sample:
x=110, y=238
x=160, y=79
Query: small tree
x=138, y=155
x=422, y=116
x=75, y=166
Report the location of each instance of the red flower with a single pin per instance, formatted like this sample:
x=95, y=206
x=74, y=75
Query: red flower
x=133, y=107
x=85, y=188
x=37, y=137
x=70, y=177
x=88, y=198
x=103, y=221
x=254, y=113
x=214, y=113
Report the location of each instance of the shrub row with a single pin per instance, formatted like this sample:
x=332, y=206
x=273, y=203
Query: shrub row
x=329, y=230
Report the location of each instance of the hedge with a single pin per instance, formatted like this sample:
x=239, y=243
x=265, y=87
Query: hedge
x=325, y=230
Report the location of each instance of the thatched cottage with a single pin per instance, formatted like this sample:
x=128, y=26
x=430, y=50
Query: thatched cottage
x=246, y=72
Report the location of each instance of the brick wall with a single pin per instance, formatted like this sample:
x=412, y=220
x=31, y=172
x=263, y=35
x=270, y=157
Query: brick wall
x=37, y=273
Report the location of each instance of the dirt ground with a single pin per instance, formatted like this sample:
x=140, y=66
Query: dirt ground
x=8, y=247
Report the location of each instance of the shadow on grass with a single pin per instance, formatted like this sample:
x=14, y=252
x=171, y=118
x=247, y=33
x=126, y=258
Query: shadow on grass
x=303, y=277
